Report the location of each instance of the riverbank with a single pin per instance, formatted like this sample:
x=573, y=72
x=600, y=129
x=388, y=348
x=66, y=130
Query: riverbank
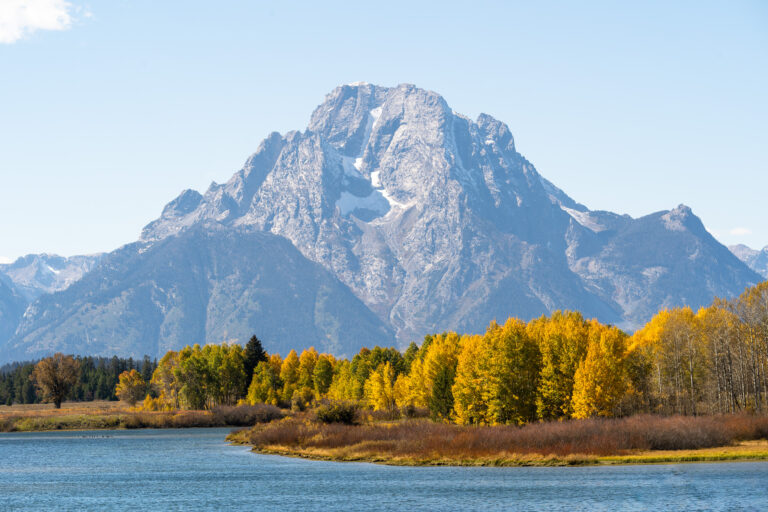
x=105, y=415
x=637, y=440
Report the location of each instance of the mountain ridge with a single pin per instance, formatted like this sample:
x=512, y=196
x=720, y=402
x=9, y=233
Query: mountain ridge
x=434, y=221
x=757, y=260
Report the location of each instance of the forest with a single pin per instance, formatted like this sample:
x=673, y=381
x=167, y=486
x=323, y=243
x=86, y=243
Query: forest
x=561, y=366
x=96, y=379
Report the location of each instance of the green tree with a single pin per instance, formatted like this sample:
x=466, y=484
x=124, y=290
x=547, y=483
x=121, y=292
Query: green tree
x=512, y=365
x=265, y=385
x=254, y=354
x=323, y=375
x=441, y=398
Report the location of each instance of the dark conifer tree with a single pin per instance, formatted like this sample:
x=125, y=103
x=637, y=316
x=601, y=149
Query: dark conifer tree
x=254, y=354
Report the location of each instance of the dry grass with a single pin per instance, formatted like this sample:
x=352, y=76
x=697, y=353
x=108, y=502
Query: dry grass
x=573, y=442
x=67, y=408
x=114, y=415
x=744, y=450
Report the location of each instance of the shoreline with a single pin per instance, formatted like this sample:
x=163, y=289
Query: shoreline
x=525, y=461
x=368, y=445
x=746, y=451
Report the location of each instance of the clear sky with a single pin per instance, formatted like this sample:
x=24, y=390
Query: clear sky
x=109, y=108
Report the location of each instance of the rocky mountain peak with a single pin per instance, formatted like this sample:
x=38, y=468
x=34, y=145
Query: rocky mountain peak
x=413, y=216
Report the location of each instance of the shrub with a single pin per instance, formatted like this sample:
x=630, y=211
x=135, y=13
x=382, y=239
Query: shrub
x=246, y=415
x=337, y=412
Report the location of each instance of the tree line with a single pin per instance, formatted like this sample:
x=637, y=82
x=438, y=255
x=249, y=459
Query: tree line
x=555, y=367
x=95, y=379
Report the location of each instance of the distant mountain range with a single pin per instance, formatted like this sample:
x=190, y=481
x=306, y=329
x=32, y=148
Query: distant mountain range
x=389, y=217
x=39, y=274
x=756, y=260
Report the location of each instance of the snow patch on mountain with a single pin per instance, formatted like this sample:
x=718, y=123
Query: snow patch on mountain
x=585, y=219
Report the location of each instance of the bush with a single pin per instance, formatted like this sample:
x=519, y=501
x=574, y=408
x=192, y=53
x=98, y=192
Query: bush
x=337, y=412
x=246, y=415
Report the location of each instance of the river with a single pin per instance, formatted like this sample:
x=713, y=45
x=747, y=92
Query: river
x=195, y=469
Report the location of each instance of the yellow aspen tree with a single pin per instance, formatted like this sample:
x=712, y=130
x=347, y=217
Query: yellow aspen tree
x=562, y=340
x=322, y=376
x=512, y=365
x=343, y=384
x=307, y=362
x=379, y=389
x=289, y=374
x=438, y=371
x=600, y=381
x=130, y=387
x=469, y=386
x=265, y=385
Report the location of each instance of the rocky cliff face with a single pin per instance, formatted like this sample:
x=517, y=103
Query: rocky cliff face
x=756, y=260
x=432, y=221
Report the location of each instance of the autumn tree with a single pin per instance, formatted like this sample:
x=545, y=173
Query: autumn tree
x=289, y=375
x=164, y=381
x=379, y=389
x=54, y=377
x=343, y=384
x=265, y=385
x=231, y=376
x=131, y=387
x=562, y=341
x=513, y=365
x=193, y=373
x=469, y=386
x=600, y=381
x=323, y=375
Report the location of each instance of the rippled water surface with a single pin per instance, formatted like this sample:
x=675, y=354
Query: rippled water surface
x=195, y=469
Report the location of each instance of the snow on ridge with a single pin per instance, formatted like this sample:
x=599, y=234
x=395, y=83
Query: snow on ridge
x=350, y=168
x=379, y=200
x=584, y=218
x=374, y=201
x=373, y=117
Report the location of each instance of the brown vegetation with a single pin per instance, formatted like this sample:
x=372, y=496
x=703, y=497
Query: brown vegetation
x=425, y=442
x=113, y=415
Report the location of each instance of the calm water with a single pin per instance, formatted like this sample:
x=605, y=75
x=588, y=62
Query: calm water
x=195, y=469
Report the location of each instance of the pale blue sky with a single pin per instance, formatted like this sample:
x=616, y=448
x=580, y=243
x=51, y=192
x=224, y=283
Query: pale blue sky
x=633, y=107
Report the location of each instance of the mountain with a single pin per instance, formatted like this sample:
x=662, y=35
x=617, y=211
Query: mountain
x=756, y=260
x=38, y=274
x=207, y=283
x=430, y=220
x=12, y=305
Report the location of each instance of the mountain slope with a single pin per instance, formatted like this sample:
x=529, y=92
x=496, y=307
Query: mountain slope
x=432, y=220
x=12, y=305
x=756, y=260
x=206, y=284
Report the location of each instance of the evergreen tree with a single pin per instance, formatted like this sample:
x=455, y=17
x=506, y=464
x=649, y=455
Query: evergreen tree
x=254, y=354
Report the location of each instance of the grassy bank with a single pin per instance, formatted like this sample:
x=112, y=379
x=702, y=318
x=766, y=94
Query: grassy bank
x=115, y=415
x=635, y=440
